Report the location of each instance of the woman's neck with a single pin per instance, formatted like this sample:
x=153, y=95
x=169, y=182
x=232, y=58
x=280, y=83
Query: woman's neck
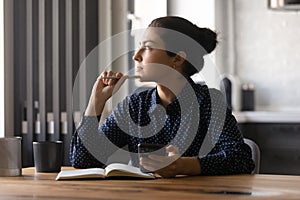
x=168, y=94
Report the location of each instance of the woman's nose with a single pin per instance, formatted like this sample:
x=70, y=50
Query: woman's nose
x=137, y=56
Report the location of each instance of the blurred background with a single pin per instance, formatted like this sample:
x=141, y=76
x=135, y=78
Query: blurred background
x=45, y=43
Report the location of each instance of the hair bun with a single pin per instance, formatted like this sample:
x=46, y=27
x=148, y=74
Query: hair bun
x=208, y=39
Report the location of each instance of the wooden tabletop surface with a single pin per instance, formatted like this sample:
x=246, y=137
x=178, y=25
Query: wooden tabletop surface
x=33, y=185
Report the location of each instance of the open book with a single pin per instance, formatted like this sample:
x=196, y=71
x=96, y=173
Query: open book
x=112, y=170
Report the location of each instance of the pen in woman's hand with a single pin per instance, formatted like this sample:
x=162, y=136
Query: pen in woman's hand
x=117, y=78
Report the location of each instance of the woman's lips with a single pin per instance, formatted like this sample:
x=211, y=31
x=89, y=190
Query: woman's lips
x=139, y=68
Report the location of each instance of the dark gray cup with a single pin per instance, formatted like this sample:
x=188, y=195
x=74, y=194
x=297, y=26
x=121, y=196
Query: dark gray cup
x=48, y=156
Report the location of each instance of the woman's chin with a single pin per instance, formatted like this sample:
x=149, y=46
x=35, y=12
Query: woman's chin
x=142, y=77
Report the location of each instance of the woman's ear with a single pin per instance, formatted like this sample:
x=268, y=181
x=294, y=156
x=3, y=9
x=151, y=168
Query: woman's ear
x=180, y=58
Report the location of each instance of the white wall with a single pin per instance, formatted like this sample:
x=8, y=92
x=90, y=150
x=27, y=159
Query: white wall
x=147, y=10
x=201, y=13
x=267, y=53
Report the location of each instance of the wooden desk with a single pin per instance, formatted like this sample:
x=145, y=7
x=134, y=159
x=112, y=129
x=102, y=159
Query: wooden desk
x=43, y=186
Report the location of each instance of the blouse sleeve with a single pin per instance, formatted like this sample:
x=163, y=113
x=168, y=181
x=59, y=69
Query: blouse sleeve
x=91, y=144
x=229, y=155
x=80, y=157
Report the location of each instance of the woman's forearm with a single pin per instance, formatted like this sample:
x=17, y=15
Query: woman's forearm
x=94, y=109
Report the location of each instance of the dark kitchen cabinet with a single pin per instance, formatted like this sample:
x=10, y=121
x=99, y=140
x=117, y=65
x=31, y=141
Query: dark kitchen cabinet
x=279, y=144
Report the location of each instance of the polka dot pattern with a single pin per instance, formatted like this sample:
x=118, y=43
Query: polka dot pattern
x=215, y=139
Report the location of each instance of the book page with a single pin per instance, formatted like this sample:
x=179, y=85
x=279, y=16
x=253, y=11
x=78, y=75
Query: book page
x=119, y=169
x=81, y=173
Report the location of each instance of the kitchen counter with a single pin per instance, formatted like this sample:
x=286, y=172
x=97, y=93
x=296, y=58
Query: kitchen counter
x=267, y=117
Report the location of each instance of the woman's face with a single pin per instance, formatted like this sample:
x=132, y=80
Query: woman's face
x=151, y=60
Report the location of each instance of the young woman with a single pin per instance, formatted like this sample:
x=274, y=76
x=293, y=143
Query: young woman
x=193, y=122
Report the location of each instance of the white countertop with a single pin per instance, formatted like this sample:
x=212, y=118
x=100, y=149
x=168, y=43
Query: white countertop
x=267, y=117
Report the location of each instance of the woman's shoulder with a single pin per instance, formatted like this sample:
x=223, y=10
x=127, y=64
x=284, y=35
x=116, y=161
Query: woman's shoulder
x=207, y=93
x=203, y=87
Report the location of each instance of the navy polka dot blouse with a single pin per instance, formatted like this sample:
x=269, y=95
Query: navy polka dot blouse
x=197, y=122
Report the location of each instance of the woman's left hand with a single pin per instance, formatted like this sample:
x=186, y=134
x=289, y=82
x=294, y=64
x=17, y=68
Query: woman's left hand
x=165, y=166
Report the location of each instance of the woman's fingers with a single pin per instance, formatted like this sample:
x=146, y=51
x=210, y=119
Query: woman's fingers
x=112, y=77
x=151, y=165
x=157, y=163
x=172, y=150
x=119, y=82
x=158, y=158
x=163, y=160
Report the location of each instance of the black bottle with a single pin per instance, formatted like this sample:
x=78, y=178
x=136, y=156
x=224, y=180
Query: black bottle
x=248, y=103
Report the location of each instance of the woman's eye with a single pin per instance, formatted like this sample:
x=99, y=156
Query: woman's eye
x=147, y=47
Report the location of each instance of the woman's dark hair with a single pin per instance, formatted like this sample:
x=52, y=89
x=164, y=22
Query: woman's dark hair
x=203, y=36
